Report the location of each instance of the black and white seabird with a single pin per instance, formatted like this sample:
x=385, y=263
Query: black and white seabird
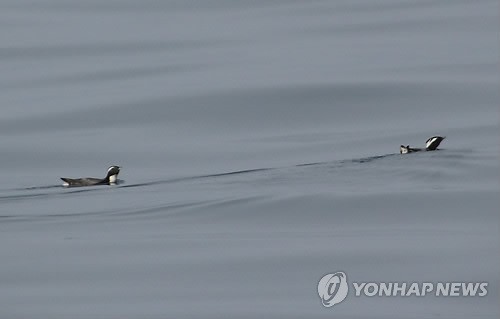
x=407, y=149
x=110, y=179
x=430, y=145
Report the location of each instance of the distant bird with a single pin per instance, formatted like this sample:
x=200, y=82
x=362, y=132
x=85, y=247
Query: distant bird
x=407, y=149
x=110, y=179
x=430, y=145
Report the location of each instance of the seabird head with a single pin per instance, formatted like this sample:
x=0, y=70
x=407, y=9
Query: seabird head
x=432, y=143
x=404, y=149
x=112, y=174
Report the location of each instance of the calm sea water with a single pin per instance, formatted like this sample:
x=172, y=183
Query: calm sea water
x=259, y=142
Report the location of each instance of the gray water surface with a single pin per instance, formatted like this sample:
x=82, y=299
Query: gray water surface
x=259, y=142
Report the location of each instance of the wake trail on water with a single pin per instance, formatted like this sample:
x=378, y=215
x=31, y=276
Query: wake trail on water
x=48, y=191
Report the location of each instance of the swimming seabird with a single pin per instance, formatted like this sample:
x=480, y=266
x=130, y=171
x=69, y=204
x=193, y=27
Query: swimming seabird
x=110, y=179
